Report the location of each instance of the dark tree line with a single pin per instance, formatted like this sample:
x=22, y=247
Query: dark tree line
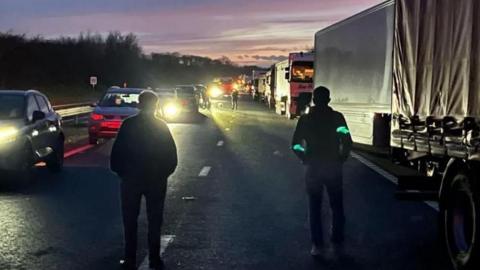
x=63, y=66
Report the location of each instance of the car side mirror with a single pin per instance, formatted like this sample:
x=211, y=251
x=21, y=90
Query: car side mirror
x=93, y=105
x=37, y=116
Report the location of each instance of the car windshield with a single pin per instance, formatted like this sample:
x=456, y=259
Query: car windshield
x=119, y=100
x=185, y=91
x=13, y=107
x=165, y=93
x=302, y=72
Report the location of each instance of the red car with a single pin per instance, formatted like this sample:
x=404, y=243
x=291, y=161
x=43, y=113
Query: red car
x=115, y=106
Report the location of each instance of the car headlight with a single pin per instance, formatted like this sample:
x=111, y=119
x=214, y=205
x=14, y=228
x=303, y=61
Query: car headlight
x=171, y=110
x=8, y=134
x=215, y=92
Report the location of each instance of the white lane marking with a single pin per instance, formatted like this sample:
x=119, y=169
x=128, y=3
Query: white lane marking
x=220, y=143
x=388, y=176
x=377, y=169
x=205, y=171
x=227, y=129
x=77, y=150
x=166, y=240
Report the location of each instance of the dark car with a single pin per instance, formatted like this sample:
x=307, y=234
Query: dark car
x=30, y=132
x=187, y=98
x=115, y=106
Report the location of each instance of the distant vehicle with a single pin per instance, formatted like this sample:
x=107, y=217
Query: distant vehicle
x=115, y=106
x=204, y=98
x=227, y=85
x=186, y=97
x=215, y=91
x=404, y=82
x=270, y=91
x=169, y=108
x=30, y=132
x=165, y=95
x=260, y=84
x=294, y=84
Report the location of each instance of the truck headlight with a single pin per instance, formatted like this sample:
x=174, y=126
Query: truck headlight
x=8, y=134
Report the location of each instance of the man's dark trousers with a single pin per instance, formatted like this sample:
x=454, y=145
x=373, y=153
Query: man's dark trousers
x=320, y=176
x=131, y=196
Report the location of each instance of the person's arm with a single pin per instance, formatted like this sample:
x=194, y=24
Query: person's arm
x=299, y=139
x=345, y=138
x=118, y=154
x=167, y=151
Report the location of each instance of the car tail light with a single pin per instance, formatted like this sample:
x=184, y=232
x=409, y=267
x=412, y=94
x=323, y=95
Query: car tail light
x=96, y=117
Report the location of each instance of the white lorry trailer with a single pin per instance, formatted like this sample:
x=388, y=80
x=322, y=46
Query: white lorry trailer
x=406, y=74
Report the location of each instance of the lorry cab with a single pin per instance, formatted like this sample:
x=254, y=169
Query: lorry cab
x=293, y=78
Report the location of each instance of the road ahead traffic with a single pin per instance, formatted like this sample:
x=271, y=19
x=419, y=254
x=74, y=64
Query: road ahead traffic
x=236, y=201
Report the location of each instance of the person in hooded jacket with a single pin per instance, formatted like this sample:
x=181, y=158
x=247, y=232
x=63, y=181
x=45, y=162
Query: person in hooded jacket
x=144, y=155
x=322, y=141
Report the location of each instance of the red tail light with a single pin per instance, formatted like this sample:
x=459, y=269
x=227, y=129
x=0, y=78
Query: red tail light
x=96, y=117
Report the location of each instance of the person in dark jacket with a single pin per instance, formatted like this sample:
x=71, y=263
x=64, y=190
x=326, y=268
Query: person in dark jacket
x=144, y=156
x=323, y=142
x=235, y=99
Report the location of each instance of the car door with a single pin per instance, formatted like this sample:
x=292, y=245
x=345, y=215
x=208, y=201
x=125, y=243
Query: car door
x=34, y=128
x=50, y=127
x=46, y=128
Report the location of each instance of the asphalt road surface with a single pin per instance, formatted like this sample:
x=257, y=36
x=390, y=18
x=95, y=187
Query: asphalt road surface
x=236, y=201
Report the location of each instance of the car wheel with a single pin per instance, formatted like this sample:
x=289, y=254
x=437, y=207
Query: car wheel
x=55, y=160
x=25, y=169
x=92, y=140
x=460, y=213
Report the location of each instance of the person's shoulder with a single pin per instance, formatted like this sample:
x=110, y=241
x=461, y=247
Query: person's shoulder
x=130, y=120
x=338, y=115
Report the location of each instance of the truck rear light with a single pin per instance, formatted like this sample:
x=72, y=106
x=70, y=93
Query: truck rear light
x=96, y=117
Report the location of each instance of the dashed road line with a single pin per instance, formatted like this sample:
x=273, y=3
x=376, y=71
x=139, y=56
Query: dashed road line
x=166, y=240
x=205, y=171
x=388, y=176
x=220, y=143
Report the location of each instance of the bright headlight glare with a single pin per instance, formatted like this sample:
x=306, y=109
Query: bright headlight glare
x=215, y=92
x=171, y=110
x=8, y=134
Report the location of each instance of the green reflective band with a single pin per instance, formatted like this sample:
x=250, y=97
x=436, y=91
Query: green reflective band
x=298, y=147
x=343, y=130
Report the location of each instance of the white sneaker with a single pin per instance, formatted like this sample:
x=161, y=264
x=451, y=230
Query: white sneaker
x=315, y=251
x=324, y=253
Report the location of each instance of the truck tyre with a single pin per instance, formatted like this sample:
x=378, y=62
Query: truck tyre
x=460, y=221
x=55, y=160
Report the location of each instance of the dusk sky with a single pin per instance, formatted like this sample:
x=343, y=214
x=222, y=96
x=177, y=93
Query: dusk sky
x=248, y=32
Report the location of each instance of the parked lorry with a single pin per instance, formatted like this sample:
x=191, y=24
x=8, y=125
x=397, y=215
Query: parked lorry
x=406, y=74
x=294, y=84
x=270, y=91
x=260, y=86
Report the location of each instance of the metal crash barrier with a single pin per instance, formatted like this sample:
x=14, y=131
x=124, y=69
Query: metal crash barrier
x=73, y=112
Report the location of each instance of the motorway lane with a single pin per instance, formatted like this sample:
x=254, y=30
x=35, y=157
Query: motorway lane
x=253, y=213
x=249, y=212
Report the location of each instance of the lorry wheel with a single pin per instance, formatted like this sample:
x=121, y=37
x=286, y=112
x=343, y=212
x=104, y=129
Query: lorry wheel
x=460, y=213
x=55, y=160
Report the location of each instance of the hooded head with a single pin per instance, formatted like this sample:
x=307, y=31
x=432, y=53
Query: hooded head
x=321, y=96
x=148, y=102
